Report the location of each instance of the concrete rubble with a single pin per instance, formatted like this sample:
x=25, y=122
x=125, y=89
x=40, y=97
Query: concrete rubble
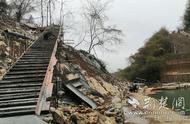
x=84, y=91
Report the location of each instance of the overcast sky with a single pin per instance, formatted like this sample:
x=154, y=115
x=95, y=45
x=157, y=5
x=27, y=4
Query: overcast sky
x=139, y=19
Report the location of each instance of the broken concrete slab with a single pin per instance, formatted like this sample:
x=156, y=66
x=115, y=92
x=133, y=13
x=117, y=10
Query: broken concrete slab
x=81, y=95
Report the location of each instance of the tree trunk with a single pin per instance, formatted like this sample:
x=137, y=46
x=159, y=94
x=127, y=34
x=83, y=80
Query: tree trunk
x=47, y=14
x=61, y=10
x=42, y=13
x=18, y=16
x=50, y=17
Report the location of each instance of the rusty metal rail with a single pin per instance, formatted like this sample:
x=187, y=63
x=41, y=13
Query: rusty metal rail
x=47, y=87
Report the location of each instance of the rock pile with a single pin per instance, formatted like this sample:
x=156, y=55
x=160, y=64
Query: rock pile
x=13, y=42
x=84, y=92
x=5, y=61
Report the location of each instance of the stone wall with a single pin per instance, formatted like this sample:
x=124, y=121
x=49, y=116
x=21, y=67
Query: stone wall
x=177, y=69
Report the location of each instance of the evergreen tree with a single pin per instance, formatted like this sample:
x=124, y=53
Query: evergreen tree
x=148, y=61
x=3, y=7
x=186, y=18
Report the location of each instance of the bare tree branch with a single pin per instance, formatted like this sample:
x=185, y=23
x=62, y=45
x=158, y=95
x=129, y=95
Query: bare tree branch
x=98, y=33
x=22, y=7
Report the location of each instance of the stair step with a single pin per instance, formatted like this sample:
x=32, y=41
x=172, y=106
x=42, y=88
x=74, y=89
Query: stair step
x=32, y=50
x=18, y=102
x=18, y=90
x=22, y=80
x=36, y=57
x=7, y=109
x=14, y=111
x=19, y=85
x=27, y=72
x=18, y=96
x=34, y=62
x=29, y=68
x=7, y=77
x=44, y=53
x=30, y=65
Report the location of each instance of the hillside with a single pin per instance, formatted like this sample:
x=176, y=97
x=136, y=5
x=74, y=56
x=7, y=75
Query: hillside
x=148, y=61
x=14, y=40
x=87, y=94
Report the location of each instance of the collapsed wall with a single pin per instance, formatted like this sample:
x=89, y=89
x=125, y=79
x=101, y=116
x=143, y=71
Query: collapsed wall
x=83, y=89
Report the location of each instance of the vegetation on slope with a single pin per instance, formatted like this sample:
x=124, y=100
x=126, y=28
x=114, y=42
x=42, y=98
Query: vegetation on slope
x=186, y=17
x=148, y=61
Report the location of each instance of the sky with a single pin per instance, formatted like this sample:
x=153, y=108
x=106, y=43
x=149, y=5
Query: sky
x=138, y=19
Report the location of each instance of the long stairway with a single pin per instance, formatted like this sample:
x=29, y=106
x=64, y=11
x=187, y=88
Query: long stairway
x=20, y=87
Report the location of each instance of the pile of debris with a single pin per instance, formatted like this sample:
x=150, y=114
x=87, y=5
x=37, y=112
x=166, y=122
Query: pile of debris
x=14, y=40
x=4, y=59
x=83, y=90
x=10, y=24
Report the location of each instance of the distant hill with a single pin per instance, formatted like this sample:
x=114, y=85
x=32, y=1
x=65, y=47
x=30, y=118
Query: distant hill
x=150, y=60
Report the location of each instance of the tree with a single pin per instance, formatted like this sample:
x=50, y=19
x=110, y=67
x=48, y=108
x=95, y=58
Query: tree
x=96, y=32
x=31, y=19
x=22, y=7
x=186, y=17
x=3, y=7
x=50, y=6
x=42, y=12
x=50, y=12
x=46, y=6
x=147, y=63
